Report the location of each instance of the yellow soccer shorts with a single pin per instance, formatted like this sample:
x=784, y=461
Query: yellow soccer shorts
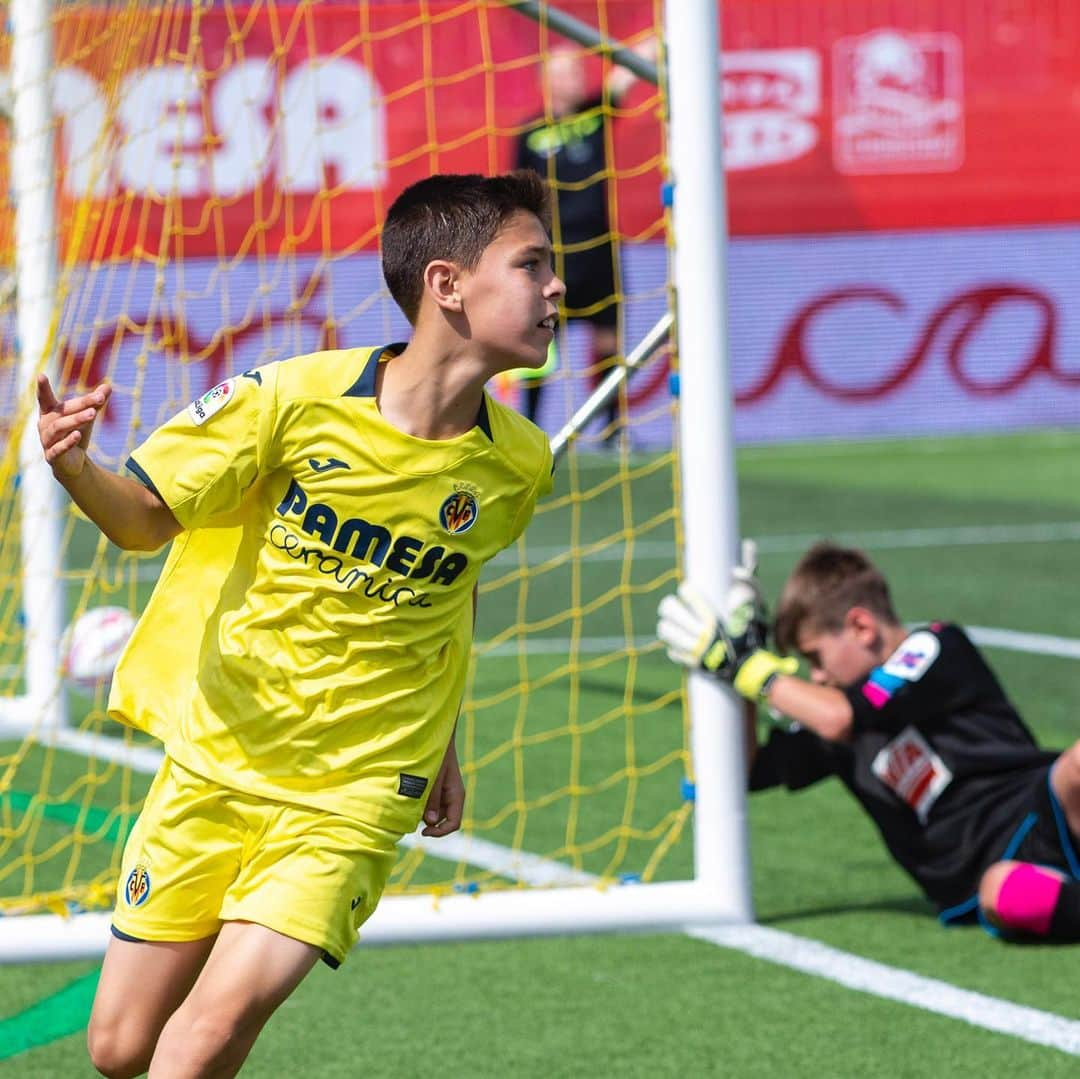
x=201, y=854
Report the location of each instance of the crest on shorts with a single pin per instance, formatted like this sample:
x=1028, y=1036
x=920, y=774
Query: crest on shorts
x=137, y=886
x=459, y=512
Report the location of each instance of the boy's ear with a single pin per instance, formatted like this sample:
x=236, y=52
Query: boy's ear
x=864, y=624
x=442, y=280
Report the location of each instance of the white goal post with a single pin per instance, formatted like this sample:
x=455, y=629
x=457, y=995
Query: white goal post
x=720, y=889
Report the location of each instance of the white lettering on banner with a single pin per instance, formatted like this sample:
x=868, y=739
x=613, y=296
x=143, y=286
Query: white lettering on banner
x=239, y=101
x=164, y=140
x=77, y=99
x=332, y=130
x=772, y=101
x=332, y=119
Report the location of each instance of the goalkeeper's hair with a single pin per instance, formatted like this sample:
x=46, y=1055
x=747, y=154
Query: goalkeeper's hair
x=824, y=585
x=452, y=217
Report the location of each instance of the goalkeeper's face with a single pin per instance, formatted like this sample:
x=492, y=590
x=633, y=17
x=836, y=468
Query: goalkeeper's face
x=511, y=300
x=841, y=657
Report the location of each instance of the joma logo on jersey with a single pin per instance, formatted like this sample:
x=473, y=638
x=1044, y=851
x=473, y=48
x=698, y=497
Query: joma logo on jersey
x=368, y=541
x=459, y=512
x=137, y=886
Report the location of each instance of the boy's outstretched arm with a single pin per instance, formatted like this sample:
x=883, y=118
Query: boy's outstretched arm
x=732, y=649
x=129, y=514
x=824, y=710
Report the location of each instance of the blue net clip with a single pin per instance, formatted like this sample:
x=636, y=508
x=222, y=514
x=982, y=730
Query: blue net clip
x=688, y=791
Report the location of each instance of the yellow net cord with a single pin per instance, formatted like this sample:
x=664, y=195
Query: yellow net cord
x=221, y=173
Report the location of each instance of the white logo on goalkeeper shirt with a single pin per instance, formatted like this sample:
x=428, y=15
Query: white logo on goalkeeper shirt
x=211, y=402
x=912, y=771
x=913, y=658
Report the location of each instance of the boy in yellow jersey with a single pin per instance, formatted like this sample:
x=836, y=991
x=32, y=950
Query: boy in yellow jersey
x=303, y=656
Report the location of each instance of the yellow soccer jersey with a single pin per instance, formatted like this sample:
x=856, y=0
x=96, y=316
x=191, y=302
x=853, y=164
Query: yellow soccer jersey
x=309, y=635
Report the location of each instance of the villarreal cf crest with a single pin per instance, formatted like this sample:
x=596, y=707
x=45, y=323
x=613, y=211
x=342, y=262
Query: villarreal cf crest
x=459, y=512
x=137, y=886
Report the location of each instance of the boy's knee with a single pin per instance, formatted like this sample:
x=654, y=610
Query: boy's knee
x=1068, y=768
x=1020, y=897
x=117, y=1053
x=204, y=1040
x=990, y=887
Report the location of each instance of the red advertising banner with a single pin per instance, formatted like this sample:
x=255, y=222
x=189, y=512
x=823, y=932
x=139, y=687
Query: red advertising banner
x=280, y=128
x=912, y=114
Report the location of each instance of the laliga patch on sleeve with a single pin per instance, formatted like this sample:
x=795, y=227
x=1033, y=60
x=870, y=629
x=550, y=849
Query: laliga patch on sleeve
x=913, y=658
x=211, y=402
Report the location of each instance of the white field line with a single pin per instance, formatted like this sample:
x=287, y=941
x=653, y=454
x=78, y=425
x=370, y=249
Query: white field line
x=798, y=953
x=881, y=539
x=892, y=983
x=1039, y=644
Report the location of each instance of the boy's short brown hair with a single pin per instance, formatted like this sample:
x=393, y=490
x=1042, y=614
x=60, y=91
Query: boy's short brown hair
x=452, y=217
x=824, y=585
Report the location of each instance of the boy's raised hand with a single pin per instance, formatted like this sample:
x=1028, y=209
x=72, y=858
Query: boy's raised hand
x=729, y=645
x=65, y=426
x=693, y=632
x=698, y=636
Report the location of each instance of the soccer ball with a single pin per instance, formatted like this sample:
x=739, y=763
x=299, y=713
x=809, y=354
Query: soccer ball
x=92, y=644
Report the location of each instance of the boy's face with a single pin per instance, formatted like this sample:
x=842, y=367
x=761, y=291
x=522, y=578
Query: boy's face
x=511, y=299
x=841, y=657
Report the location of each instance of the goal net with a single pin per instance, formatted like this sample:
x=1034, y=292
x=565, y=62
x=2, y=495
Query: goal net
x=221, y=171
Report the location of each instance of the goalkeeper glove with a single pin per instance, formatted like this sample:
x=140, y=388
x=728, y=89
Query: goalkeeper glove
x=697, y=636
x=730, y=648
x=744, y=612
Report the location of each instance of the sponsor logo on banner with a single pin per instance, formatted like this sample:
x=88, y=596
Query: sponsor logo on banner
x=912, y=771
x=898, y=103
x=772, y=104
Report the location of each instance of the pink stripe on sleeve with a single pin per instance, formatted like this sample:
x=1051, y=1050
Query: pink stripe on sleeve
x=877, y=696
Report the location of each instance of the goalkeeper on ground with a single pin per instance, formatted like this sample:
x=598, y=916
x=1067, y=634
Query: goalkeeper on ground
x=305, y=651
x=914, y=723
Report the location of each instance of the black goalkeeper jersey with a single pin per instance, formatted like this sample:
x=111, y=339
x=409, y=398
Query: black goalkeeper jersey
x=938, y=757
x=572, y=150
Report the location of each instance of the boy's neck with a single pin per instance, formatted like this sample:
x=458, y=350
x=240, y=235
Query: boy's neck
x=425, y=399
x=892, y=636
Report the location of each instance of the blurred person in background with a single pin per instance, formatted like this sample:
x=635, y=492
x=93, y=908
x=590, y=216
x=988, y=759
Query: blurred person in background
x=568, y=145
